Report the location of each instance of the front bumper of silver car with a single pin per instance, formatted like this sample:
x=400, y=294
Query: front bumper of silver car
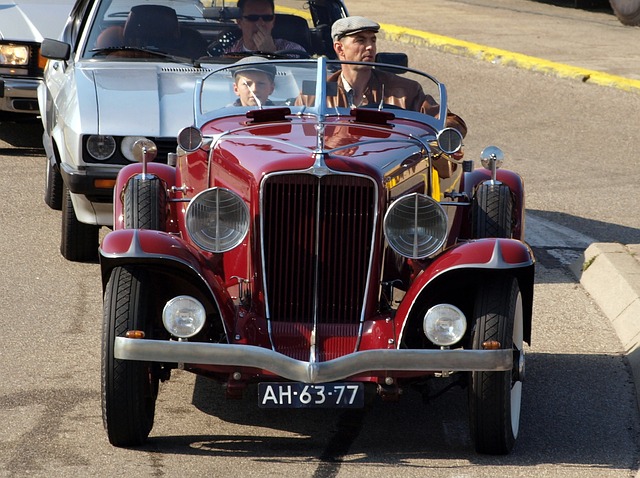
x=377, y=360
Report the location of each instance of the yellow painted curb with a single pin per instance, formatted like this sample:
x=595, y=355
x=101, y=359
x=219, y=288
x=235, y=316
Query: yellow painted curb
x=494, y=55
x=504, y=57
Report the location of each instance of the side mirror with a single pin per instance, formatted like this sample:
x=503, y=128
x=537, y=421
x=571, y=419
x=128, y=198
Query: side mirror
x=55, y=50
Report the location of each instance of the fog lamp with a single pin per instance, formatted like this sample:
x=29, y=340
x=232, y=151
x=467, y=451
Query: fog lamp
x=444, y=324
x=183, y=316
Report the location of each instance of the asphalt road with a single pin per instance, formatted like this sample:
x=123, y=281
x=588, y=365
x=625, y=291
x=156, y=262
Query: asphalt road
x=573, y=142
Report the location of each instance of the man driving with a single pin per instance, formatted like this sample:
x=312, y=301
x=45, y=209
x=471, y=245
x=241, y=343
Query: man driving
x=354, y=39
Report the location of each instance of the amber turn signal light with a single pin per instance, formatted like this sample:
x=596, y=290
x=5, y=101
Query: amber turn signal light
x=104, y=183
x=134, y=334
x=491, y=345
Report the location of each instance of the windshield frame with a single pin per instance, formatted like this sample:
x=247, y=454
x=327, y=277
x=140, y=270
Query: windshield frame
x=320, y=69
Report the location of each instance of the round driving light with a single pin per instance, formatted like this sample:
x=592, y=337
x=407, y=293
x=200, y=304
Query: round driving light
x=415, y=226
x=126, y=147
x=217, y=220
x=183, y=316
x=444, y=324
x=449, y=140
x=190, y=138
x=101, y=147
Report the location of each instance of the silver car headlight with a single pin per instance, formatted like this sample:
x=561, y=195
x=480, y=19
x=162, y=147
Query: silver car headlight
x=126, y=146
x=101, y=147
x=183, y=316
x=415, y=226
x=217, y=220
x=14, y=55
x=444, y=324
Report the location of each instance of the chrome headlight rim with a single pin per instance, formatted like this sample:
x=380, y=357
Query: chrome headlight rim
x=190, y=139
x=101, y=147
x=444, y=325
x=416, y=211
x=184, y=316
x=210, y=221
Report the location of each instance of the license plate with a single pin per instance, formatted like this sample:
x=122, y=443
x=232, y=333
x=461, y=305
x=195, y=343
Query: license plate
x=304, y=395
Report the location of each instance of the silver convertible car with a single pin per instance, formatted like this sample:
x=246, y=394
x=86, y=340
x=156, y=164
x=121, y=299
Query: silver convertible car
x=123, y=70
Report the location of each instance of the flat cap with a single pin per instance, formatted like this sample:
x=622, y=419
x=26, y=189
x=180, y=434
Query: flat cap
x=254, y=63
x=349, y=25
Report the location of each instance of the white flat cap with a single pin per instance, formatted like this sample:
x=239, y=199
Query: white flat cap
x=349, y=25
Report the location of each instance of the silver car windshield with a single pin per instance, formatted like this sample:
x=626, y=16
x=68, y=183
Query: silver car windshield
x=132, y=28
x=318, y=86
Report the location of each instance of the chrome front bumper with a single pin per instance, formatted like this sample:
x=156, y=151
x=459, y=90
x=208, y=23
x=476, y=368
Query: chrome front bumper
x=313, y=372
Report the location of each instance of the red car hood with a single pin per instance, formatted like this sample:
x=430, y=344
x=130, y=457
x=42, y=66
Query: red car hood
x=291, y=145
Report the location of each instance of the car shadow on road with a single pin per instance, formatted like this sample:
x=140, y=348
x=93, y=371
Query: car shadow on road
x=591, y=5
x=562, y=423
x=22, y=138
x=599, y=231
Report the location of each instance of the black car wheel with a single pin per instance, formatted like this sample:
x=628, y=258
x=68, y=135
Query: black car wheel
x=53, y=188
x=492, y=211
x=145, y=203
x=79, y=241
x=495, y=397
x=129, y=388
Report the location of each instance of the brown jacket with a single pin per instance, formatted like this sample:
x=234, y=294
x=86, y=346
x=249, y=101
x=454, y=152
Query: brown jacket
x=392, y=90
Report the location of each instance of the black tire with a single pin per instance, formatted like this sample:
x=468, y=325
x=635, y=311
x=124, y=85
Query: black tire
x=79, y=241
x=495, y=397
x=627, y=11
x=145, y=203
x=53, y=188
x=129, y=388
x=492, y=211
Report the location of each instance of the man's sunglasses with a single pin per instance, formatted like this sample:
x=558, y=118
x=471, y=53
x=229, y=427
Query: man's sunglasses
x=255, y=18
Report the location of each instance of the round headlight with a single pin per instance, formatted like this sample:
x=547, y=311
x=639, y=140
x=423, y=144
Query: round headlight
x=415, y=226
x=444, y=324
x=190, y=138
x=126, y=147
x=217, y=220
x=101, y=147
x=449, y=140
x=183, y=316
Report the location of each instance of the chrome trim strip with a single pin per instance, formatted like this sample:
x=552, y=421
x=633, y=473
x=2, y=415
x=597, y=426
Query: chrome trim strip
x=318, y=372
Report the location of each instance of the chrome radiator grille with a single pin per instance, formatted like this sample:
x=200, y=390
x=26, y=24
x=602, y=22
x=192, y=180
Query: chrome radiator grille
x=317, y=234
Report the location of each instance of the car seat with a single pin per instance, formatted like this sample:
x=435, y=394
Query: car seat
x=156, y=27
x=293, y=28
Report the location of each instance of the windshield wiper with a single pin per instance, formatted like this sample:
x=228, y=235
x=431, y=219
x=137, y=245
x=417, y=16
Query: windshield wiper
x=158, y=53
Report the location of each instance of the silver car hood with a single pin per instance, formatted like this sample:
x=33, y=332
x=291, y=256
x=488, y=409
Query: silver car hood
x=147, y=99
x=30, y=20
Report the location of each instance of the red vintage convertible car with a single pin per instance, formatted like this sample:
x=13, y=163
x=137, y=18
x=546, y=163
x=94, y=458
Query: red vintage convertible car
x=316, y=253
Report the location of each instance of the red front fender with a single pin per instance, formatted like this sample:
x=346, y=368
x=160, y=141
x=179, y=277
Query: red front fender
x=479, y=258
x=148, y=248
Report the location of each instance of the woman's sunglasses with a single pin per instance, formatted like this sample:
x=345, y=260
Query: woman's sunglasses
x=255, y=18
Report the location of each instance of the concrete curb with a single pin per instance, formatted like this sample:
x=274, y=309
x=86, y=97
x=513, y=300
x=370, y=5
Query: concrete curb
x=610, y=273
